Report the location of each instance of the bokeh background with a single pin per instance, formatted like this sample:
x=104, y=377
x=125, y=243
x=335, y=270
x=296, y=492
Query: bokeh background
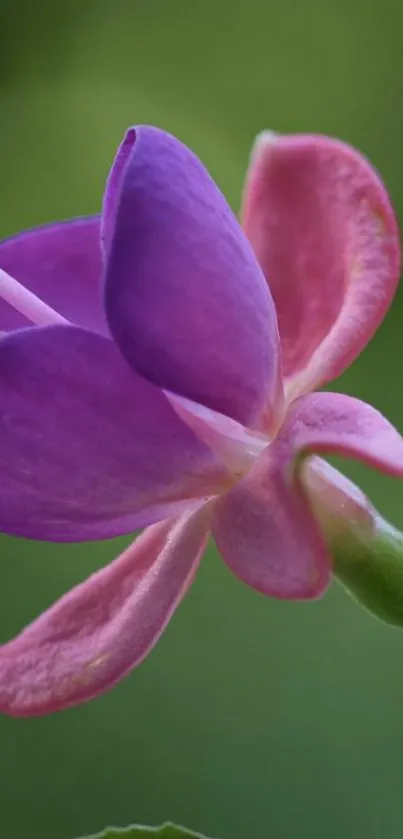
x=252, y=718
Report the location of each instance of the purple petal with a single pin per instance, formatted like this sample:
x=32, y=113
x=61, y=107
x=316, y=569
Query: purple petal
x=89, y=449
x=186, y=299
x=266, y=533
x=61, y=264
x=100, y=630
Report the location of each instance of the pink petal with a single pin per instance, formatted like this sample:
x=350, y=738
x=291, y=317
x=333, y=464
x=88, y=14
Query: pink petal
x=333, y=423
x=100, y=630
x=266, y=533
x=321, y=224
x=264, y=526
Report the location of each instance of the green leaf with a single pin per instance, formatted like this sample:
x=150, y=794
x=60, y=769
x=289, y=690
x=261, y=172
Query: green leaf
x=137, y=831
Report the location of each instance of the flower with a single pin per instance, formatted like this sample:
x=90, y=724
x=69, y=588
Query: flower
x=185, y=401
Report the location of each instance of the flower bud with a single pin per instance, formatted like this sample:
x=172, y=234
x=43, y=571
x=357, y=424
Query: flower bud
x=367, y=551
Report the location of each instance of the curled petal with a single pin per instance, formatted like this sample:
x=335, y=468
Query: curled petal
x=100, y=630
x=185, y=297
x=333, y=423
x=266, y=533
x=323, y=229
x=89, y=449
x=61, y=264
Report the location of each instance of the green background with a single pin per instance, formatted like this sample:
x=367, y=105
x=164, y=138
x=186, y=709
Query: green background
x=251, y=718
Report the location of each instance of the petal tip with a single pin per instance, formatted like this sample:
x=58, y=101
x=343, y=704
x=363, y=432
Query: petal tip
x=264, y=139
x=314, y=586
x=129, y=139
x=318, y=583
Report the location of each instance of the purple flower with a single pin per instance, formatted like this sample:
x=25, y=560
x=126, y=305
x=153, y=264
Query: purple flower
x=157, y=365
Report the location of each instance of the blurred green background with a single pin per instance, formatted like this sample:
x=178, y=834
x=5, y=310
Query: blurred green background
x=252, y=718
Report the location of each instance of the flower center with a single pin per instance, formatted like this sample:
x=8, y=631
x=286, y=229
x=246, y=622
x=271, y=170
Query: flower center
x=236, y=446
x=27, y=303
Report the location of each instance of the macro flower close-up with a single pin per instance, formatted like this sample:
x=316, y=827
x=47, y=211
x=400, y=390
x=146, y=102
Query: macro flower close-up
x=161, y=367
